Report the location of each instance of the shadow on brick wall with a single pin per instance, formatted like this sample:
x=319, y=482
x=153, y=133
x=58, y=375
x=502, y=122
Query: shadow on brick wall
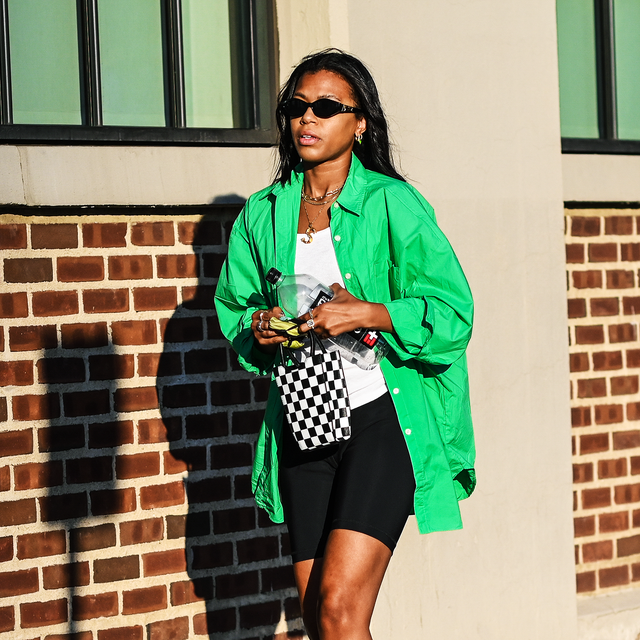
x=237, y=560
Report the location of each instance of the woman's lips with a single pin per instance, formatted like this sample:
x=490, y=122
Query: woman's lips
x=307, y=139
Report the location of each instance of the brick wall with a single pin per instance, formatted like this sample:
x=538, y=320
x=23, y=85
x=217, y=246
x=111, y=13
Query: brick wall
x=126, y=437
x=603, y=280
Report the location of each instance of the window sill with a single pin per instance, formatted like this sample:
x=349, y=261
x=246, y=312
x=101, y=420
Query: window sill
x=600, y=145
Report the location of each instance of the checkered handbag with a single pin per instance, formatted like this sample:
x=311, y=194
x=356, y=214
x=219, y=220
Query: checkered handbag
x=314, y=395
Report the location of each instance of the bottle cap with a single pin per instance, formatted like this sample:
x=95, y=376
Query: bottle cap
x=273, y=275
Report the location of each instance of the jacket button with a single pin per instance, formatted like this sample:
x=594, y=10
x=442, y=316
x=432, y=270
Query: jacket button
x=347, y=276
x=396, y=390
x=337, y=238
x=408, y=431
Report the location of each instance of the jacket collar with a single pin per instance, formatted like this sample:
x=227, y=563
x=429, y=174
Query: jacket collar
x=351, y=196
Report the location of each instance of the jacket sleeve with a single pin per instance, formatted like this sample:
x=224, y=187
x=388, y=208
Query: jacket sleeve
x=239, y=294
x=431, y=307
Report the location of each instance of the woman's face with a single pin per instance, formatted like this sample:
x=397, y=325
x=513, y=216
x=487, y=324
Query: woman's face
x=319, y=140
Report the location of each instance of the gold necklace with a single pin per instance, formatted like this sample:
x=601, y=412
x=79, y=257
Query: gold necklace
x=310, y=228
x=317, y=201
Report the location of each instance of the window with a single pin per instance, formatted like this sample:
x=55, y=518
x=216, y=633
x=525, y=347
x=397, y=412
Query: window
x=137, y=71
x=599, y=67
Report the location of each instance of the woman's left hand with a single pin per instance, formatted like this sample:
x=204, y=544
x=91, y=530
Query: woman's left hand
x=344, y=312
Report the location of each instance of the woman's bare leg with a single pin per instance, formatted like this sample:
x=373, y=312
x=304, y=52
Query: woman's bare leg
x=338, y=593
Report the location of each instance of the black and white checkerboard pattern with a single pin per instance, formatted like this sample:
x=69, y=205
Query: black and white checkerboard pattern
x=316, y=400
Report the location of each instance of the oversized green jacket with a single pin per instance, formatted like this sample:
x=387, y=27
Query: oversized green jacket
x=389, y=250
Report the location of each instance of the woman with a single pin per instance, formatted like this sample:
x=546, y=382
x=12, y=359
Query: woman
x=361, y=227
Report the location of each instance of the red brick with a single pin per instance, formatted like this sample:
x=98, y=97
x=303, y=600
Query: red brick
x=628, y=546
x=4, y=411
x=586, y=581
x=47, y=543
x=116, y=569
x=630, y=252
x=594, y=498
x=81, y=269
x=626, y=439
x=37, y=475
x=189, y=591
x=54, y=236
x=635, y=465
x=17, y=512
x=590, y=335
x=587, y=279
x=28, y=270
x=163, y=562
x=631, y=305
x=214, y=622
x=60, y=438
x=198, y=298
x=203, y=233
x=152, y=234
x=612, y=522
x=633, y=358
x=63, y=576
x=159, y=364
x=84, y=336
x=216, y=425
x=242, y=488
x=619, y=279
x=16, y=373
x=175, y=629
x=13, y=305
x=277, y=578
x=138, y=465
x=618, y=225
x=604, y=307
x=177, y=266
x=134, y=332
x=593, y=443
x=130, y=267
x=636, y=518
x=163, y=495
x=104, y=235
x=613, y=577
x=257, y=549
x=608, y=413
x=140, y=531
x=36, y=407
x=155, y=430
x=607, y=360
x=580, y=416
x=144, y=600
x=82, y=635
x=624, y=385
x=585, y=226
x=105, y=300
x=263, y=613
x=122, y=633
x=596, y=551
x=228, y=456
x=596, y=388
x=603, y=252
x=110, y=434
x=61, y=370
x=181, y=330
x=112, y=501
x=635, y=571
x=101, y=536
x=184, y=395
x=612, y=468
x=33, y=338
x=17, y=583
x=5, y=478
x=209, y=490
x=622, y=332
x=583, y=472
x=155, y=298
x=236, y=585
x=63, y=507
x=13, y=236
x=579, y=362
x=41, y=614
x=55, y=303
x=7, y=619
x=633, y=411
x=136, y=399
x=232, y=520
x=111, y=367
x=627, y=493
x=102, y=605
x=190, y=459
x=574, y=253
x=84, y=470
x=86, y=403
x=212, y=556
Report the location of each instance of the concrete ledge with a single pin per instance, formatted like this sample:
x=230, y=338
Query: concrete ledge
x=610, y=617
x=600, y=178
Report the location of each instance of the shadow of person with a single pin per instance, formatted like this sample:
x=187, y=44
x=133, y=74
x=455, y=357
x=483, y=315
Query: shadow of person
x=237, y=561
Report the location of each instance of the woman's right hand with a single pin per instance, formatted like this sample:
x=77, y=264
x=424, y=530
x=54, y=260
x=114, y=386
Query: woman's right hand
x=267, y=340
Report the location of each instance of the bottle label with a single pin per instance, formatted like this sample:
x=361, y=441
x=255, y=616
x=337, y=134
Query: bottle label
x=322, y=297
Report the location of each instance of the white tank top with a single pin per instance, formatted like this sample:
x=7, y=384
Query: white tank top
x=318, y=259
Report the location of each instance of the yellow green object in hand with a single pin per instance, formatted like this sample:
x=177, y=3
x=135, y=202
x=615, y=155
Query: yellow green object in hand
x=289, y=329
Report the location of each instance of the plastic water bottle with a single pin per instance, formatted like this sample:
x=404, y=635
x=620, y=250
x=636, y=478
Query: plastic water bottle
x=298, y=293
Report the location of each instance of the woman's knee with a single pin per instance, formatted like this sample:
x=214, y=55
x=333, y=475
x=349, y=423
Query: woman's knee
x=336, y=610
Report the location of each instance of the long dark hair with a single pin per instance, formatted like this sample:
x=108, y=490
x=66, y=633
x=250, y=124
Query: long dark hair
x=375, y=150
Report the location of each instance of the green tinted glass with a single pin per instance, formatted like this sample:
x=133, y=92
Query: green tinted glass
x=45, y=69
x=627, y=32
x=207, y=63
x=131, y=62
x=577, y=68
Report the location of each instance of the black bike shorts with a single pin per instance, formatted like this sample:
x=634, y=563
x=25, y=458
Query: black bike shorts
x=363, y=484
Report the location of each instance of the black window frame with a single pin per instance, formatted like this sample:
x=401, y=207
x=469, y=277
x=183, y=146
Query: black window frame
x=608, y=142
x=93, y=132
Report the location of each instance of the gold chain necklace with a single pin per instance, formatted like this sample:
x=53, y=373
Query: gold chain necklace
x=317, y=201
x=310, y=228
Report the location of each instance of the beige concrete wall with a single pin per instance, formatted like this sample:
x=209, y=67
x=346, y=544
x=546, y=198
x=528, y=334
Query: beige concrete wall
x=601, y=178
x=471, y=90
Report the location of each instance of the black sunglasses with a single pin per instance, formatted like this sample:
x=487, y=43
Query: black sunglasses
x=323, y=108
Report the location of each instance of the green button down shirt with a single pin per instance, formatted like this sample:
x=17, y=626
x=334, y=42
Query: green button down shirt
x=389, y=250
